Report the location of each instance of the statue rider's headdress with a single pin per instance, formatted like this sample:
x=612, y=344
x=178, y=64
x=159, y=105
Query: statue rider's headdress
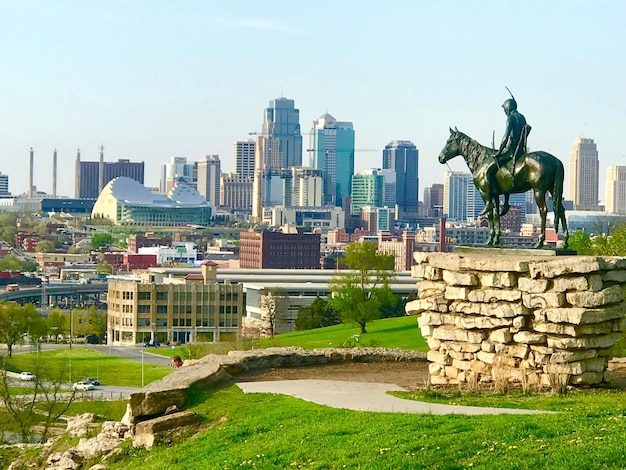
x=511, y=104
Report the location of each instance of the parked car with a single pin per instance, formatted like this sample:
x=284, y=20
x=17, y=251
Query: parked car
x=151, y=343
x=27, y=376
x=83, y=385
x=91, y=380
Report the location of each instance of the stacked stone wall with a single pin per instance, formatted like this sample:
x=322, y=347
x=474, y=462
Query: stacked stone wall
x=526, y=318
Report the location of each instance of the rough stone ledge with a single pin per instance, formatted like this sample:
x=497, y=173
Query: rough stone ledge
x=214, y=370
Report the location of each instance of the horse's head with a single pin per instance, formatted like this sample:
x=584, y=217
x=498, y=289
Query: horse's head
x=452, y=147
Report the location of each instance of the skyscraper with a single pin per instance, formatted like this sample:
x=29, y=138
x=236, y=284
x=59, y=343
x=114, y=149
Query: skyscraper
x=584, y=175
x=209, y=173
x=279, y=146
x=615, y=202
x=433, y=200
x=4, y=185
x=243, y=157
x=402, y=156
x=175, y=171
x=455, y=192
x=367, y=190
x=332, y=151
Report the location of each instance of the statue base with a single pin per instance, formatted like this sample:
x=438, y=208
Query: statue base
x=512, y=251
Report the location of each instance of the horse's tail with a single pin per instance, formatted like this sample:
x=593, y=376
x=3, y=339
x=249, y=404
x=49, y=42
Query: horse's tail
x=557, y=197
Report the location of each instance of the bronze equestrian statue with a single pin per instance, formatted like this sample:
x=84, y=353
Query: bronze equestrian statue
x=539, y=171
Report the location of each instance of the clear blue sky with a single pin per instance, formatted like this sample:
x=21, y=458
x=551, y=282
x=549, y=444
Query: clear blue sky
x=152, y=79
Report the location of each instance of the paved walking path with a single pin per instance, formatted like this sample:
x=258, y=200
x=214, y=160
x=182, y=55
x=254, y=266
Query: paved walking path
x=366, y=396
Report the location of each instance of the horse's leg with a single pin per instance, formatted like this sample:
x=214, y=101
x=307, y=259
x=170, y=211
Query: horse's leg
x=540, y=199
x=492, y=230
x=505, y=206
x=496, y=223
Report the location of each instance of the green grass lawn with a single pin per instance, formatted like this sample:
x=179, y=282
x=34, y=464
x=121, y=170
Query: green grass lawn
x=110, y=370
x=401, y=332
x=269, y=431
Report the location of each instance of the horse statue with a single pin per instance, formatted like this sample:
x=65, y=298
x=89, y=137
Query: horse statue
x=539, y=171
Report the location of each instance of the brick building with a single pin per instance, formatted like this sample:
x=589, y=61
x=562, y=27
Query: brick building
x=266, y=249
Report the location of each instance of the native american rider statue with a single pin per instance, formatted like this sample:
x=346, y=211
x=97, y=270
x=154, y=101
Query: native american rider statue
x=513, y=147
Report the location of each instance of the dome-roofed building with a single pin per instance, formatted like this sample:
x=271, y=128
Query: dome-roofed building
x=127, y=202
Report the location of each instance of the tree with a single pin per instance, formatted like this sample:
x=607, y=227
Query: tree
x=45, y=246
x=57, y=323
x=359, y=293
x=101, y=240
x=104, y=267
x=273, y=306
x=11, y=263
x=16, y=322
x=317, y=315
x=611, y=245
x=580, y=242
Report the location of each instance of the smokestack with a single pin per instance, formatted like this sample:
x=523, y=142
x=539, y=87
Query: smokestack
x=30, y=173
x=77, y=175
x=54, y=174
x=101, y=170
x=442, y=234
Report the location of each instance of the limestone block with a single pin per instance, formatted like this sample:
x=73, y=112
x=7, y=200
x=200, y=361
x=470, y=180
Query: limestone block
x=564, y=265
x=430, y=289
x=533, y=286
x=596, y=364
x=494, y=295
x=581, y=316
x=423, y=271
x=506, y=264
x=439, y=380
x=496, y=309
x=595, y=282
x=608, y=376
x=461, y=365
x=459, y=279
x=421, y=257
x=433, y=344
x=587, y=378
x=618, y=276
x=435, y=368
x=520, y=322
x=605, y=341
x=518, y=350
x=619, y=325
x=554, y=328
x=464, y=347
x=456, y=292
x=444, y=333
x=563, y=284
x=545, y=300
x=502, y=335
x=482, y=323
x=461, y=356
x=426, y=330
x=438, y=358
x=486, y=357
x=445, y=261
x=415, y=307
x=527, y=337
x=610, y=295
x=476, y=337
x=479, y=367
x=613, y=262
x=147, y=433
x=571, y=368
x=451, y=372
x=571, y=356
x=430, y=318
x=502, y=280
x=595, y=329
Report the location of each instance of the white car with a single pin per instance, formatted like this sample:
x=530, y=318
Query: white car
x=83, y=385
x=27, y=376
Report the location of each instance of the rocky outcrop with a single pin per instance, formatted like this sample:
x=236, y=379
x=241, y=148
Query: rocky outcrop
x=524, y=317
x=163, y=429
x=217, y=370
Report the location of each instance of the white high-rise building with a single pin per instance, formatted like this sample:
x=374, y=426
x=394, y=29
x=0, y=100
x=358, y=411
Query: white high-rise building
x=615, y=196
x=584, y=175
x=177, y=171
x=243, y=157
x=209, y=173
x=455, y=194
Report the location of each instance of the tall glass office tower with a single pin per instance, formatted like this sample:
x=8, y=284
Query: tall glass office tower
x=402, y=156
x=332, y=151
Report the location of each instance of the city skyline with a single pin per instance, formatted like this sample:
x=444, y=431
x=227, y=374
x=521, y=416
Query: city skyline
x=153, y=80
